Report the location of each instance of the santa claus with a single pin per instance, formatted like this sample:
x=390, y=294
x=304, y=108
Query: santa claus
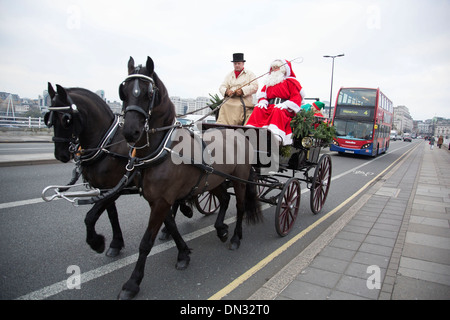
x=278, y=102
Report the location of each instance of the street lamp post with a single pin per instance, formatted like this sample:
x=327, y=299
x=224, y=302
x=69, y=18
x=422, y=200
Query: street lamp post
x=332, y=72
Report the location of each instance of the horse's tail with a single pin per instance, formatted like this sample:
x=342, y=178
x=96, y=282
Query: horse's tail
x=252, y=205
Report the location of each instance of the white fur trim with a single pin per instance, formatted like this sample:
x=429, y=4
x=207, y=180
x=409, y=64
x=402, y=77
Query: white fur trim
x=292, y=106
x=285, y=138
x=302, y=94
x=288, y=70
x=261, y=95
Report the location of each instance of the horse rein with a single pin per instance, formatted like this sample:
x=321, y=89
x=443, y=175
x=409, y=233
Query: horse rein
x=85, y=156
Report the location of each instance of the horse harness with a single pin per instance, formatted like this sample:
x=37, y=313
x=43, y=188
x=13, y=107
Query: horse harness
x=86, y=156
x=165, y=147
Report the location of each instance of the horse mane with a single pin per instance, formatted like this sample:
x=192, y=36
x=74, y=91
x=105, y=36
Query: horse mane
x=89, y=95
x=164, y=97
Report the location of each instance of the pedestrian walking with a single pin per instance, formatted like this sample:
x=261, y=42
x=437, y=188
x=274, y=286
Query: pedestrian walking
x=432, y=143
x=440, y=141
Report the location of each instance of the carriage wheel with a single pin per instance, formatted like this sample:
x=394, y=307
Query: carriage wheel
x=207, y=203
x=288, y=206
x=320, y=184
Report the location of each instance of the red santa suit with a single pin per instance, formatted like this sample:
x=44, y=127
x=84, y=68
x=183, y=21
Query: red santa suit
x=277, y=105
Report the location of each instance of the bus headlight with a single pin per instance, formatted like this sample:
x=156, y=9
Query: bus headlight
x=367, y=145
x=307, y=142
x=335, y=143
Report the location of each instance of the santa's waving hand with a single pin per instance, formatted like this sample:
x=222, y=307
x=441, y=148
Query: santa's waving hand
x=278, y=101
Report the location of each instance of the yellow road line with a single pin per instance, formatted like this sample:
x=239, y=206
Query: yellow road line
x=244, y=277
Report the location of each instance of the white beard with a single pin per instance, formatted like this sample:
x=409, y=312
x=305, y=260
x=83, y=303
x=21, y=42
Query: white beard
x=275, y=77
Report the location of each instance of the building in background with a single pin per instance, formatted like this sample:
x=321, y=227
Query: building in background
x=403, y=121
x=183, y=105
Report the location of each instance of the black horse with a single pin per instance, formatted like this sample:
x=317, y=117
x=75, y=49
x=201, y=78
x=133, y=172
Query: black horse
x=149, y=123
x=85, y=128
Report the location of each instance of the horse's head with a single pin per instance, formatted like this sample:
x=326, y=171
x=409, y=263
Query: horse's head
x=65, y=119
x=142, y=94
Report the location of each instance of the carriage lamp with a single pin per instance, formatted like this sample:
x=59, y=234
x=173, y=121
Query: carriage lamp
x=307, y=142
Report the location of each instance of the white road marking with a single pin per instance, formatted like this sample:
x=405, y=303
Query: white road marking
x=61, y=286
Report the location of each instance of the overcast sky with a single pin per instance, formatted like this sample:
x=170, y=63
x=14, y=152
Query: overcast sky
x=401, y=46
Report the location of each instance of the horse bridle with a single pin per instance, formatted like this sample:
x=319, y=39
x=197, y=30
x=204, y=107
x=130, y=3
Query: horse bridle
x=67, y=118
x=152, y=91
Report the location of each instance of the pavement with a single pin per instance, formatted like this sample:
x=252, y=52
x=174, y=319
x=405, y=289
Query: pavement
x=393, y=243
x=22, y=159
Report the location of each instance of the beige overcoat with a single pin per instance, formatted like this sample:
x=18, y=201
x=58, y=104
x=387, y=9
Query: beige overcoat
x=232, y=111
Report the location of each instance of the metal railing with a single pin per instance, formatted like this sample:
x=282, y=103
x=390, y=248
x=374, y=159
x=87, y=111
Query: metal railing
x=21, y=122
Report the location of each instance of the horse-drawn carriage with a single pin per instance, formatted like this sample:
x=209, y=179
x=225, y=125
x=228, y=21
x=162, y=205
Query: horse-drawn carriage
x=119, y=157
x=278, y=187
x=281, y=186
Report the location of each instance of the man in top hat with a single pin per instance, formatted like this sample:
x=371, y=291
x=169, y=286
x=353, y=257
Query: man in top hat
x=239, y=106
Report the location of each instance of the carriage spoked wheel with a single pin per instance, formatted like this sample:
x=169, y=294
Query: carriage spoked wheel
x=320, y=183
x=207, y=203
x=287, y=207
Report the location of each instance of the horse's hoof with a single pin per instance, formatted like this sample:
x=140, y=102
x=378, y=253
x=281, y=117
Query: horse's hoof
x=98, y=245
x=182, y=264
x=186, y=210
x=223, y=237
x=234, y=245
x=126, y=295
x=100, y=249
x=112, y=252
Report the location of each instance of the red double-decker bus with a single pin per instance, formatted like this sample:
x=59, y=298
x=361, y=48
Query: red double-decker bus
x=363, y=121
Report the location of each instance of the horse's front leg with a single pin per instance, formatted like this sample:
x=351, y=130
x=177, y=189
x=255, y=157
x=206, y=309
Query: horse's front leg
x=224, y=199
x=117, y=242
x=158, y=213
x=184, y=208
x=95, y=241
x=165, y=234
x=239, y=190
x=183, y=250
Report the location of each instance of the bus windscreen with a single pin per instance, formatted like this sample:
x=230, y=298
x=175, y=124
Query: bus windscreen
x=357, y=97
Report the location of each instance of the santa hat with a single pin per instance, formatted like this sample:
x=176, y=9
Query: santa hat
x=284, y=64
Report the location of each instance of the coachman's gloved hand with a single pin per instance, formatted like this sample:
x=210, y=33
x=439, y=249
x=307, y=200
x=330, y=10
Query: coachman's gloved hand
x=229, y=93
x=239, y=93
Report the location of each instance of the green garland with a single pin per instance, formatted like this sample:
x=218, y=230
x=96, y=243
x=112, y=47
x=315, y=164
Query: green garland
x=325, y=132
x=302, y=123
x=305, y=124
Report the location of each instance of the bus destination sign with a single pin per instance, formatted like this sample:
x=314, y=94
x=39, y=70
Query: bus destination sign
x=355, y=112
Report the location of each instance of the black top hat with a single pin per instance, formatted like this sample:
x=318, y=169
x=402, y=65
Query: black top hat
x=238, y=57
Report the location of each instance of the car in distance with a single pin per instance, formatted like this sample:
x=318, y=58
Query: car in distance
x=407, y=137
